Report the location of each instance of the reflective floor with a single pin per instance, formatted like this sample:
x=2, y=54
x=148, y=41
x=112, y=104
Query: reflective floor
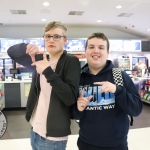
x=17, y=134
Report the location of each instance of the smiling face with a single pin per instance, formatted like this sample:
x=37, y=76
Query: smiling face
x=96, y=54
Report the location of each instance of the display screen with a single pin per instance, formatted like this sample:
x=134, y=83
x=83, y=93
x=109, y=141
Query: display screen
x=75, y=45
x=142, y=59
x=139, y=62
x=37, y=42
x=8, y=65
x=132, y=45
x=116, y=45
x=0, y=44
x=6, y=43
x=13, y=71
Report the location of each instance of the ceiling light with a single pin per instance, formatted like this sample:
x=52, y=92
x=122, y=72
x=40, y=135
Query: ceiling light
x=119, y=6
x=43, y=19
x=99, y=20
x=125, y=15
x=18, y=12
x=148, y=29
x=78, y=13
x=46, y=4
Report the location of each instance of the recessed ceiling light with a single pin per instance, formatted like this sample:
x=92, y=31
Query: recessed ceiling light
x=43, y=19
x=99, y=20
x=46, y=4
x=119, y=6
x=148, y=29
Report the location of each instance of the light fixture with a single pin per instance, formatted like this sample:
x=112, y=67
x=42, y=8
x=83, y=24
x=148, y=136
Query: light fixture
x=46, y=4
x=148, y=29
x=99, y=20
x=43, y=20
x=119, y=6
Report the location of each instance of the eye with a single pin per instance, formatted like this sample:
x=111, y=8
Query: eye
x=48, y=36
x=101, y=47
x=91, y=47
x=56, y=36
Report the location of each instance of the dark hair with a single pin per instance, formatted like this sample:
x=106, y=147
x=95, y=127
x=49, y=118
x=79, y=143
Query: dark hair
x=98, y=35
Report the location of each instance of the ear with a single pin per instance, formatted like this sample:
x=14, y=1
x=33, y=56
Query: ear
x=65, y=40
x=108, y=54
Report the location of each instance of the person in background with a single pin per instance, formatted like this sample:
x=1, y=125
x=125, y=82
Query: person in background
x=102, y=107
x=140, y=69
x=54, y=88
x=140, y=65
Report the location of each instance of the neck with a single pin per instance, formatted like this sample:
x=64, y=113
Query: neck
x=55, y=56
x=95, y=70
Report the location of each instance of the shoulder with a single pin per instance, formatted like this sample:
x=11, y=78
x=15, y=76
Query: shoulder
x=71, y=57
x=118, y=71
x=126, y=78
x=124, y=74
x=68, y=60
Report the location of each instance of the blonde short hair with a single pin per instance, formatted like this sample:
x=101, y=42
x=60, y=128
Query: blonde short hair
x=55, y=24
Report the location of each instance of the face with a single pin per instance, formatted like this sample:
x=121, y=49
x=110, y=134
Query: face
x=52, y=46
x=96, y=53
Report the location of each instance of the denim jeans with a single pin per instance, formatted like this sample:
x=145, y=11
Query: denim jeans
x=40, y=143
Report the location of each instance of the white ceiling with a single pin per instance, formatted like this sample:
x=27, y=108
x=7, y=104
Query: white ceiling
x=94, y=10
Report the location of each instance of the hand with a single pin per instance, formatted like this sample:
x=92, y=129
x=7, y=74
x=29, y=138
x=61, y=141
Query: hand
x=32, y=50
x=42, y=64
x=106, y=86
x=82, y=102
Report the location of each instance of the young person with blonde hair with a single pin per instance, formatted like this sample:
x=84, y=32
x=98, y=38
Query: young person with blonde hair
x=54, y=88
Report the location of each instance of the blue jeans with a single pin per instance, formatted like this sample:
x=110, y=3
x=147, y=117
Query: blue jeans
x=40, y=143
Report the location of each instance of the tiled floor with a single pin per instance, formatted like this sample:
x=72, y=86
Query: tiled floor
x=17, y=134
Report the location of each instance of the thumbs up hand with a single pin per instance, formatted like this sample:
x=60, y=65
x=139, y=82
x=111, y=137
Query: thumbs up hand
x=82, y=101
x=42, y=64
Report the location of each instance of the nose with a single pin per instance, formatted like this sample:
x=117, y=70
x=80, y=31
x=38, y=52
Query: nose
x=96, y=50
x=51, y=39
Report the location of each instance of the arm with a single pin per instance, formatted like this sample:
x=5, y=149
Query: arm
x=65, y=87
x=18, y=53
x=127, y=97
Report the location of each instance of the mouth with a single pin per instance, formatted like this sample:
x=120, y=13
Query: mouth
x=95, y=56
x=51, y=46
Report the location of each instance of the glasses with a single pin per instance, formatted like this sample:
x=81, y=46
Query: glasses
x=55, y=37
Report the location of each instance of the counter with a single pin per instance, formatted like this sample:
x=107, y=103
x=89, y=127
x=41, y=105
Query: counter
x=14, y=93
x=16, y=81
